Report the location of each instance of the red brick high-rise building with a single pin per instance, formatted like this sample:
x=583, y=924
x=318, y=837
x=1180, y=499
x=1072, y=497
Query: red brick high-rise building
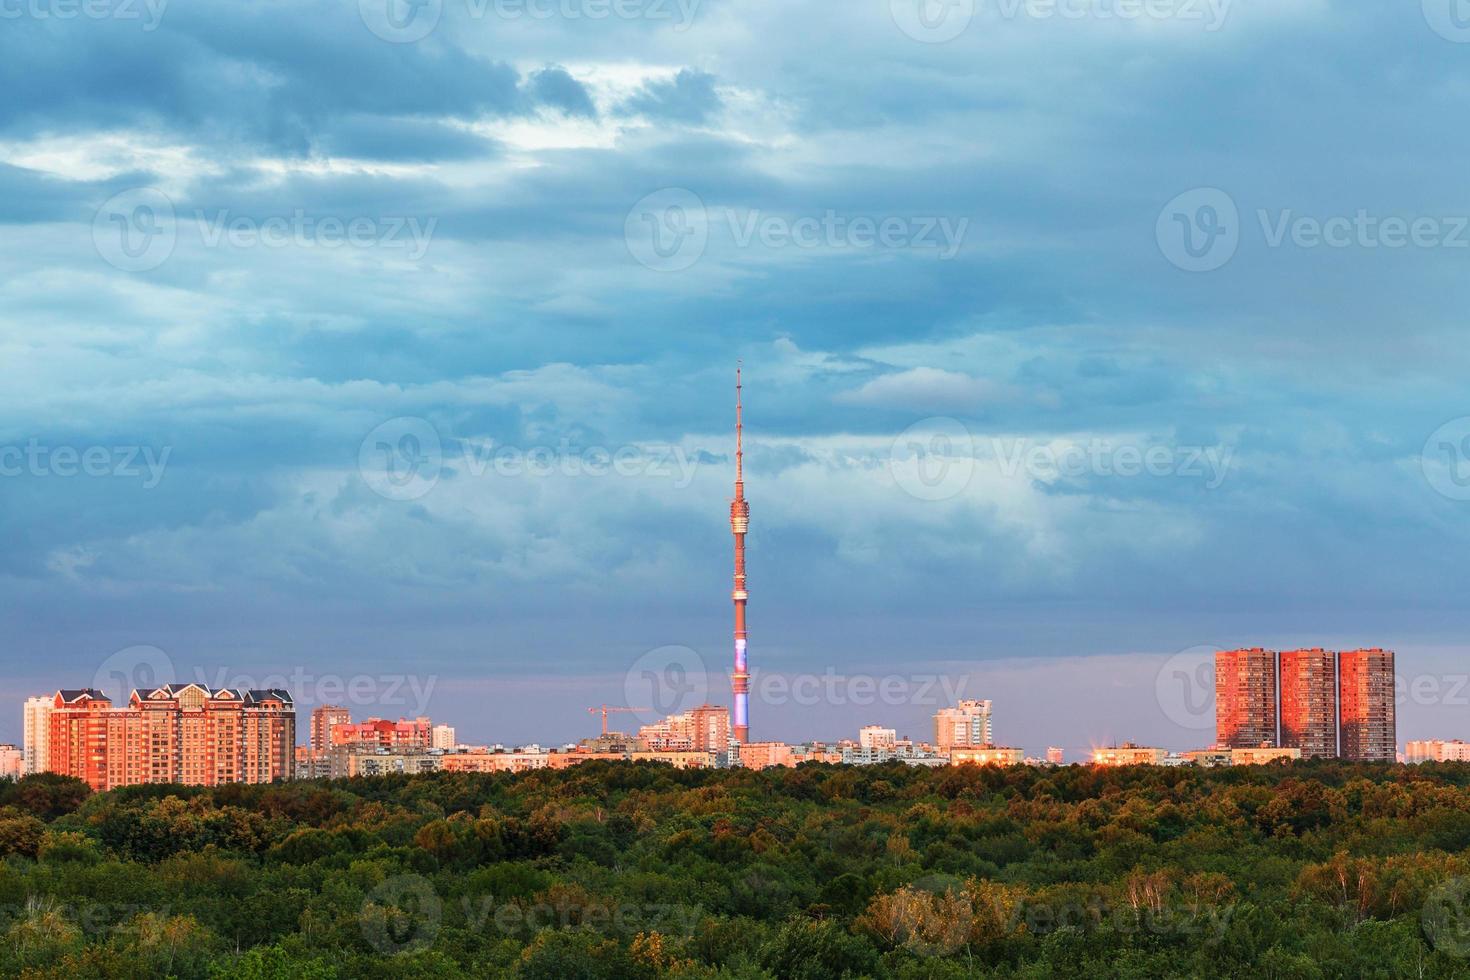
x=1308, y=687
x=1245, y=698
x=182, y=733
x=1365, y=699
x=702, y=729
x=322, y=721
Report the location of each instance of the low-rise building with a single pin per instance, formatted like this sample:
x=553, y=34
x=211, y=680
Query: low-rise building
x=12, y=762
x=1436, y=750
x=986, y=755
x=389, y=763
x=494, y=761
x=313, y=763
x=877, y=737
x=1128, y=754
x=679, y=760
x=1261, y=755
x=764, y=755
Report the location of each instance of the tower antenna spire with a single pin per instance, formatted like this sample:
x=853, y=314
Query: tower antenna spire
x=739, y=431
x=739, y=524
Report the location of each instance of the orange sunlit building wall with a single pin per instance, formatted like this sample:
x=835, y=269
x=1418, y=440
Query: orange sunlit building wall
x=1245, y=698
x=764, y=755
x=323, y=720
x=1308, y=684
x=1365, y=698
x=174, y=734
x=702, y=729
x=400, y=734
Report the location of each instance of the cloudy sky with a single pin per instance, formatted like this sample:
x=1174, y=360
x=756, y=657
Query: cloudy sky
x=388, y=350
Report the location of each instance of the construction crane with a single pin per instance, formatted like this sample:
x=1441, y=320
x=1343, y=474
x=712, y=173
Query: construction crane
x=607, y=708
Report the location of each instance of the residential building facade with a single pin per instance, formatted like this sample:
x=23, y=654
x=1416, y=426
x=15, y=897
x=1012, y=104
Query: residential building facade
x=965, y=725
x=1245, y=698
x=1308, y=687
x=37, y=733
x=1368, y=730
x=182, y=733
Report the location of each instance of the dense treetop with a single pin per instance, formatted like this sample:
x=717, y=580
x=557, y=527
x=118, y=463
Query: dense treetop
x=619, y=870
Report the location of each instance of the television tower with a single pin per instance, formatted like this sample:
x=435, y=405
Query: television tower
x=739, y=524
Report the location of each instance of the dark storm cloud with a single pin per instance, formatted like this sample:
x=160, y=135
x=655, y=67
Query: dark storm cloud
x=529, y=322
x=272, y=75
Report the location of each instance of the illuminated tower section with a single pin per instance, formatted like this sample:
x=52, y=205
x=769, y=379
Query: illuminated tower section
x=739, y=524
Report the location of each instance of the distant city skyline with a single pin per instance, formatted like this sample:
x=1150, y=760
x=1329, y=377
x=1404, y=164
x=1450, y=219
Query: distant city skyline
x=1133, y=718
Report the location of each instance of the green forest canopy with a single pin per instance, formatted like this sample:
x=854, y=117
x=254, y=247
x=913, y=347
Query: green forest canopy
x=1322, y=869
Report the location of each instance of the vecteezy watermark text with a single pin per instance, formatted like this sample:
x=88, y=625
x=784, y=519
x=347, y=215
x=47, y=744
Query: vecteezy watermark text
x=1200, y=230
x=938, y=21
x=148, y=12
x=673, y=679
x=403, y=459
x=139, y=229
x=123, y=462
x=859, y=690
x=669, y=230
x=405, y=913
x=936, y=458
x=1104, y=457
x=145, y=667
x=407, y=21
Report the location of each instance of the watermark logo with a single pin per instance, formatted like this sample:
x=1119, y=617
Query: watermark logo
x=668, y=230
x=407, y=21
x=133, y=668
x=1446, y=918
x=1445, y=460
x=136, y=230
x=408, y=233
x=147, y=667
x=1199, y=230
x=1450, y=19
x=405, y=693
x=933, y=459
x=139, y=229
x=401, y=915
x=932, y=21
x=401, y=21
x=666, y=681
x=935, y=233
x=402, y=458
x=1185, y=688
